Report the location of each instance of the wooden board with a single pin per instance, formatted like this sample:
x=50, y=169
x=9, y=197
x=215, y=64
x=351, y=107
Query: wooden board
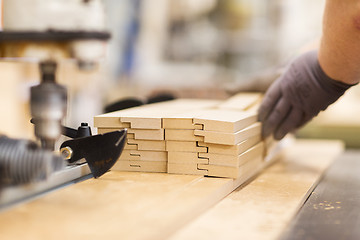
x=183, y=124
x=218, y=120
x=181, y=121
x=211, y=164
x=145, y=145
x=234, y=161
x=115, y=206
x=224, y=121
x=201, y=147
x=186, y=158
x=144, y=155
x=182, y=135
x=247, y=169
x=244, y=171
x=139, y=134
x=184, y=114
x=185, y=146
x=331, y=211
x=213, y=137
x=262, y=209
x=241, y=101
x=127, y=205
x=229, y=138
x=191, y=169
x=216, y=159
x=150, y=116
x=231, y=149
x=106, y=130
x=141, y=166
x=147, y=134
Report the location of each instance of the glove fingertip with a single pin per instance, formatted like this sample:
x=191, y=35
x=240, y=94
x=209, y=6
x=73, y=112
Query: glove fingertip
x=265, y=131
x=279, y=135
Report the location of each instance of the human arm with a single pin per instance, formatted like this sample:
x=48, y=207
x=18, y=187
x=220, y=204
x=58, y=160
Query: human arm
x=339, y=52
x=315, y=79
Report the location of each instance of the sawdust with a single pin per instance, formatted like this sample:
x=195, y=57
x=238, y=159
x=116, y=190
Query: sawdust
x=325, y=205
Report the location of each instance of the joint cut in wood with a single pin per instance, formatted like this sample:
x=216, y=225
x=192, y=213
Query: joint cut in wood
x=184, y=146
x=147, y=145
x=144, y=155
x=147, y=134
x=231, y=149
x=141, y=166
x=212, y=138
x=229, y=138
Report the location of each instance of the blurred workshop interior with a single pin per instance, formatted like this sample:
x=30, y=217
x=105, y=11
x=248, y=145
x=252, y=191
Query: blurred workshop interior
x=189, y=49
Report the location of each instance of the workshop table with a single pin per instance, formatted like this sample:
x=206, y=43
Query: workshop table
x=125, y=205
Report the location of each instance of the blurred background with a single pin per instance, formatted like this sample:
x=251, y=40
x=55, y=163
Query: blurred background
x=206, y=44
x=197, y=49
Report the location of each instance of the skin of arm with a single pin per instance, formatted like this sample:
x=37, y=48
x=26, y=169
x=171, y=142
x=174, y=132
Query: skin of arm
x=339, y=52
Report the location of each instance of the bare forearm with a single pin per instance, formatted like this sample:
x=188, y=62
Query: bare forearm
x=339, y=53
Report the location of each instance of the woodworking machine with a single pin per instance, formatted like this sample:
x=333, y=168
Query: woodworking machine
x=49, y=31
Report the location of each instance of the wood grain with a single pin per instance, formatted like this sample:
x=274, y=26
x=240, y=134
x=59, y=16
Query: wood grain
x=242, y=101
x=145, y=145
x=231, y=149
x=150, y=116
x=126, y=205
x=263, y=208
x=156, y=156
x=229, y=138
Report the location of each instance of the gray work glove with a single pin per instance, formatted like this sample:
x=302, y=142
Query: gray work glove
x=297, y=96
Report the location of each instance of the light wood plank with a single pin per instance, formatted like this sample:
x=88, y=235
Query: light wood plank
x=118, y=204
x=231, y=149
x=138, y=134
x=247, y=169
x=115, y=206
x=241, y=101
x=144, y=155
x=150, y=116
x=185, y=158
x=141, y=166
x=229, y=138
x=147, y=134
x=234, y=161
x=262, y=209
x=182, y=135
x=180, y=121
x=191, y=169
x=146, y=145
x=103, y=121
x=185, y=146
x=107, y=130
x=224, y=121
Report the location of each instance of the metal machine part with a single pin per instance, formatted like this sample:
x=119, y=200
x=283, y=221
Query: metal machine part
x=100, y=151
x=48, y=106
x=67, y=15
x=83, y=131
x=62, y=29
x=22, y=161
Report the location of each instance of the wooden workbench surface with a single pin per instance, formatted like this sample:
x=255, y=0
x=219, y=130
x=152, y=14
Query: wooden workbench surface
x=122, y=205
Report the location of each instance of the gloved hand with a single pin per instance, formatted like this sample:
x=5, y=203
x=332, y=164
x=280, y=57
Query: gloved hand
x=297, y=96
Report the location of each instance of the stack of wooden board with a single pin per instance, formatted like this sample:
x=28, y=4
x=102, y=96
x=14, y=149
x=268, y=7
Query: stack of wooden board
x=145, y=149
x=188, y=136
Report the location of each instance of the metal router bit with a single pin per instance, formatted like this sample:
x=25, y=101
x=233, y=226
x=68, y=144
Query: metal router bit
x=48, y=106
